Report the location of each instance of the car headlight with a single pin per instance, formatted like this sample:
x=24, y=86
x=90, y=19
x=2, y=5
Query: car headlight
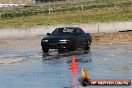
x=45, y=40
x=64, y=40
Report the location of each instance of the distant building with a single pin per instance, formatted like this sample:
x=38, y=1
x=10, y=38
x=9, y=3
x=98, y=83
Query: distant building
x=16, y=1
x=26, y=1
x=35, y=1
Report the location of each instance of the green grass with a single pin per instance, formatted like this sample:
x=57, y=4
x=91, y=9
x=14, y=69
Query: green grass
x=94, y=13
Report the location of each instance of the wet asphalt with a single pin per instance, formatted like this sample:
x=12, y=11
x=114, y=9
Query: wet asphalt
x=27, y=67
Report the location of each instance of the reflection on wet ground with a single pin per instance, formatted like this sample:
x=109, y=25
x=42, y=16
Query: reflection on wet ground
x=28, y=67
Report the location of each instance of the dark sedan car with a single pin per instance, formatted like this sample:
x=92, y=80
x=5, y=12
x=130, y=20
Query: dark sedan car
x=69, y=38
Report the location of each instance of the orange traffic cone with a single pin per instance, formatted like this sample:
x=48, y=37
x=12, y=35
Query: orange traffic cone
x=73, y=63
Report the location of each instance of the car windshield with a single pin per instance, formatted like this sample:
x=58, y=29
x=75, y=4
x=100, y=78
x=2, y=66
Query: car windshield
x=63, y=32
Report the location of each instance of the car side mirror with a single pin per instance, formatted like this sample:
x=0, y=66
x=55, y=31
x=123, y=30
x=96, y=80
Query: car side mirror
x=88, y=33
x=48, y=34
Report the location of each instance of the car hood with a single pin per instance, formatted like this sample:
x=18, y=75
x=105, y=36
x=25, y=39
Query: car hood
x=58, y=37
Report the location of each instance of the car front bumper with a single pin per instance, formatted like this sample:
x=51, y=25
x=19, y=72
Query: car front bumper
x=57, y=45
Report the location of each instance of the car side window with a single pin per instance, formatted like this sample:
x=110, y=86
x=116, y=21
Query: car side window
x=55, y=32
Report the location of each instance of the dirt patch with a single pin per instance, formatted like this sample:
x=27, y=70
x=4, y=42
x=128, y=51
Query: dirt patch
x=12, y=42
x=119, y=37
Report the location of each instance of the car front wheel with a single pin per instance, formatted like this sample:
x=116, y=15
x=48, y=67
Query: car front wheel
x=60, y=50
x=86, y=46
x=45, y=49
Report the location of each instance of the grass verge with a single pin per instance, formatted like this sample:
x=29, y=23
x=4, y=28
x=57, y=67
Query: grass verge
x=122, y=12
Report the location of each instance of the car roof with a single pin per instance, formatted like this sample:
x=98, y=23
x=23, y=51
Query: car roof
x=69, y=27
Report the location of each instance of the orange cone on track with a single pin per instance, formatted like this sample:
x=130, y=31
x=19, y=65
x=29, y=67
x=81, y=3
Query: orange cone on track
x=73, y=63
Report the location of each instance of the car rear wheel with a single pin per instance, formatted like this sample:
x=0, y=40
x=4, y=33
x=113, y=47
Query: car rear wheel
x=45, y=49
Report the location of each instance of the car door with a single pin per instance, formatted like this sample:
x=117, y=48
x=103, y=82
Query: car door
x=80, y=37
